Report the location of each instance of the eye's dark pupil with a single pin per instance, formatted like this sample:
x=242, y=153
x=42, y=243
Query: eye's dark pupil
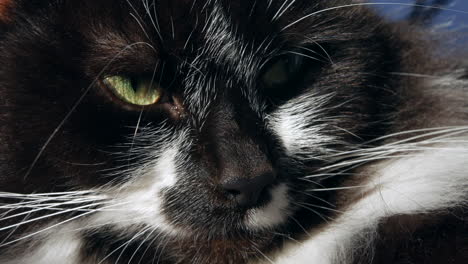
x=135, y=83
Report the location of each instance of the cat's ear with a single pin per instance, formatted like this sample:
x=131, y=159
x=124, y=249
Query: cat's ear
x=5, y=10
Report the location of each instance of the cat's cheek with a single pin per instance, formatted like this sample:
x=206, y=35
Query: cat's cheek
x=140, y=200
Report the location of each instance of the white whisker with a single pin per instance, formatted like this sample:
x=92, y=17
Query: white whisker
x=50, y=227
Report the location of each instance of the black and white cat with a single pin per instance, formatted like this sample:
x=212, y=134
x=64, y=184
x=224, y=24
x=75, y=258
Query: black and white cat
x=221, y=131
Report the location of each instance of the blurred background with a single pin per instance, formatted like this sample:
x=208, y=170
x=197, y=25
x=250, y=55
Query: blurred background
x=452, y=16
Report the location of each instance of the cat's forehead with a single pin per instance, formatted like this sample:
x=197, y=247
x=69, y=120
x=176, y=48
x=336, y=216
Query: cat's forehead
x=137, y=35
x=183, y=26
x=179, y=25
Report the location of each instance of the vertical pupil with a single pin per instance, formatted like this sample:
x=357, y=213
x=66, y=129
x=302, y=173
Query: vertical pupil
x=134, y=84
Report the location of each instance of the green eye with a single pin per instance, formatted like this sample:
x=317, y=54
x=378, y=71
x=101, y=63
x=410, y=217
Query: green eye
x=134, y=91
x=282, y=70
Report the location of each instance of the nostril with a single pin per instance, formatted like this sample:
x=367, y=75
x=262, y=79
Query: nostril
x=246, y=192
x=232, y=192
x=236, y=186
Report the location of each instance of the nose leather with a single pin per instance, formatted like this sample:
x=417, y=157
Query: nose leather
x=246, y=191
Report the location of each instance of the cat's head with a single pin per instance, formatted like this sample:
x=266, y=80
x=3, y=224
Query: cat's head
x=191, y=117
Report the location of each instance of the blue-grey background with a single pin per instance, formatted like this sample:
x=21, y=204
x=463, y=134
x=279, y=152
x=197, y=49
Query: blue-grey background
x=449, y=19
x=454, y=17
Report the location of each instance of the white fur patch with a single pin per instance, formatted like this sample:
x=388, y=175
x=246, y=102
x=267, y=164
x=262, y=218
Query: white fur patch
x=272, y=214
x=60, y=246
x=166, y=168
x=292, y=123
x=139, y=201
x=431, y=180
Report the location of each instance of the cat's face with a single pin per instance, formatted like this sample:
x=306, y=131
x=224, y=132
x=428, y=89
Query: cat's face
x=243, y=101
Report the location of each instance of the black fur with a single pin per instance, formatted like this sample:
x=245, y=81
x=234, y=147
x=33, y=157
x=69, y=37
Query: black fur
x=54, y=55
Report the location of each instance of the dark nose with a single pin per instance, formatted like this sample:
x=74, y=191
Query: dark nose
x=248, y=191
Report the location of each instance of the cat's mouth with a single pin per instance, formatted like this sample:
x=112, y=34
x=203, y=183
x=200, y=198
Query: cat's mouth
x=273, y=209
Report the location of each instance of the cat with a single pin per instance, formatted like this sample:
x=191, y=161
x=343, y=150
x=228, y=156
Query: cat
x=219, y=131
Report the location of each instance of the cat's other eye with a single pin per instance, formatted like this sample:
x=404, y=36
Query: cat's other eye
x=282, y=70
x=284, y=76
x=135, y=91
